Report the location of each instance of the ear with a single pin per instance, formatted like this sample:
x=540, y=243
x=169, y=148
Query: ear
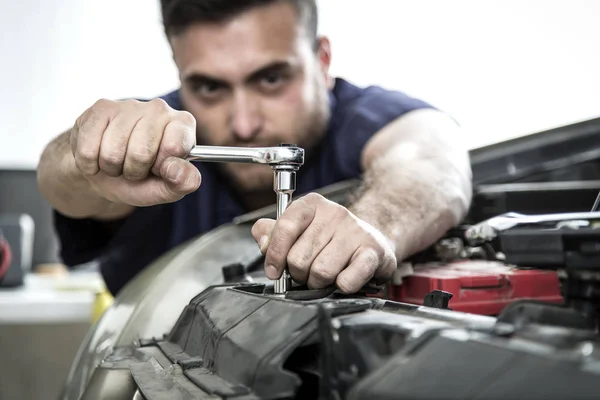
x=324, y=56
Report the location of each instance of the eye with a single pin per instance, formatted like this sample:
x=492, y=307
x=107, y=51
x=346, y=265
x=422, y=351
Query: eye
x=272, y=78
x=207, y=88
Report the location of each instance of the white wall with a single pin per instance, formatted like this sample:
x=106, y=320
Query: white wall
x=502, y=68
x=59, y=56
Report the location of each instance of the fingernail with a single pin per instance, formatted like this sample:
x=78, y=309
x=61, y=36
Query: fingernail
x=271, y=272
x=262, y=243
x=174, y=171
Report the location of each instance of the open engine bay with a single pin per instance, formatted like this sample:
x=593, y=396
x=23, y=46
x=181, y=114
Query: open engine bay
x=325, y=345
x=506, y=306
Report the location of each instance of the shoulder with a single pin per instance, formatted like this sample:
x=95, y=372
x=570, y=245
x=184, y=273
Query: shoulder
x=358, y=113
x=372, y=106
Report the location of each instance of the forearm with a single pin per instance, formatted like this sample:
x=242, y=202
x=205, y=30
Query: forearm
x=67, y=190
x=414, y=200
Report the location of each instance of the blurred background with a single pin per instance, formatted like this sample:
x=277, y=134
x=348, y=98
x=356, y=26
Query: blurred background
x=503, y=69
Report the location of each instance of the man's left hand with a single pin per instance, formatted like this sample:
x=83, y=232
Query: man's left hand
x=322, y=243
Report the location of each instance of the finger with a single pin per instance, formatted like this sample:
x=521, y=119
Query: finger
x=142, y=148
x=150, y=191
x=86, y=137
x=329, y=263
x=308, y=246
x=360, y=271
x=180, y=176
x=386, y=269
x=292, y=223
x=261, y=231
x=115, y=141
x=178, y=139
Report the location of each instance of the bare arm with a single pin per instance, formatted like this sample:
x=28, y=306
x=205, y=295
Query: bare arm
x=67, y=190
x=417, y=185
x=417, y=181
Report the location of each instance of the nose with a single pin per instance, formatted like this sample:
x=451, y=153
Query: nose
x=246, y=121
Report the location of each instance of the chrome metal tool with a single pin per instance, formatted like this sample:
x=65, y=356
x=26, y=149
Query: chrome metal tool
x=284, y=160
x=489, y=229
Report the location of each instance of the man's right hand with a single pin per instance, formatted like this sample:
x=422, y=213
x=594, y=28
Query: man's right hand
x=134, y=152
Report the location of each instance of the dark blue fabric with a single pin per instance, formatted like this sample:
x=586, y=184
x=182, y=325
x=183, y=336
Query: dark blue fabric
x=125, y=247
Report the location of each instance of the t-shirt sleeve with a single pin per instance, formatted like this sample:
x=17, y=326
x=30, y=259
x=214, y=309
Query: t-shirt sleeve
x=364, y=116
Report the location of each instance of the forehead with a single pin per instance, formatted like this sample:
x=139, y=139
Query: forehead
x=242, y=44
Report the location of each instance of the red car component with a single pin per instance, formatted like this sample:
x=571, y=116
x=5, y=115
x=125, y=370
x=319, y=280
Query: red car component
x=478, y=287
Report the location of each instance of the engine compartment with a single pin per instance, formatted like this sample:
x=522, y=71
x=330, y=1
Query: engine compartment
x=235, y=339
x=239, y=341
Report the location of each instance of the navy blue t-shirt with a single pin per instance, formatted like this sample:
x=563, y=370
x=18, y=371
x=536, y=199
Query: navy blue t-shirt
x=123, y=248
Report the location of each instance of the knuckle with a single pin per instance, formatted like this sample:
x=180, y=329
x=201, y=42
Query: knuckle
x=371, y=256
x=173, y=148
x=340, y=211
x=86, y=167
x=159, y=105
x=391, y=264
x=285, y=228
x=176, y=141
x=322, y=272
x=95, y=117
x=183, y=127
x=313, y=197
x=80, y=121
x=86, y=157
x=141, y=157
x=111, y=159
x=276, y=252
x=89, y=119
x=300, y=209
x=297, y=258
x=101, y=103
x=186, y=118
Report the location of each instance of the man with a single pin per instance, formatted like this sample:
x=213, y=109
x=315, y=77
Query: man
x=255, y=73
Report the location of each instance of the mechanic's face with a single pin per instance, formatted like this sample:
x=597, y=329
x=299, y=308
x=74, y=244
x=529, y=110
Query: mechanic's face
x=253, y=81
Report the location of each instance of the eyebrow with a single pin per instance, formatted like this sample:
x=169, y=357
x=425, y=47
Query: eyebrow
x=277, y=66
x=272, y=67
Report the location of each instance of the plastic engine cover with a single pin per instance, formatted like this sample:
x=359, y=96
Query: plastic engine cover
x=240, y=342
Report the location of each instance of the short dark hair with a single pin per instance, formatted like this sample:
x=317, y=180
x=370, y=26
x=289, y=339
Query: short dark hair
x=179, y=14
